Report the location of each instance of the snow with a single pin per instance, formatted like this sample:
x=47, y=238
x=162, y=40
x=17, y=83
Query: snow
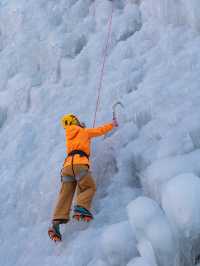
x=147, y=171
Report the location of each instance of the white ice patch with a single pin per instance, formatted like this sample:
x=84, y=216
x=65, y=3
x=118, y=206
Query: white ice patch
x=118, y=244
x=51, y=58
x=181, y=12
x=157, y=174
x=156, y=242
x=139, y=261
x=180, y=197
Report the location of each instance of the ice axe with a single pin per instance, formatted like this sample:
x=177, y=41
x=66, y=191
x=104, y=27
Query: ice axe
x=114, y=108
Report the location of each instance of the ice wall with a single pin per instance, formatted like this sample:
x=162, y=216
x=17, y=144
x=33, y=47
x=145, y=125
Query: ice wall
x=51, y=53
x=176, y=12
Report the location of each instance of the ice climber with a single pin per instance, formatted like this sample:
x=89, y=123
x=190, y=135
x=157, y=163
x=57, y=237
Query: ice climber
x=76, y=174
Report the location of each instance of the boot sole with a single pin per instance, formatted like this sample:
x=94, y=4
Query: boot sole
x=53, y=236
x=81, y=217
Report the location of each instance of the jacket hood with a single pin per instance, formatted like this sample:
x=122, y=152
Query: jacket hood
x=72, y=131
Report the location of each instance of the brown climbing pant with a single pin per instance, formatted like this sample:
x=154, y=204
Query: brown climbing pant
x=85, y=185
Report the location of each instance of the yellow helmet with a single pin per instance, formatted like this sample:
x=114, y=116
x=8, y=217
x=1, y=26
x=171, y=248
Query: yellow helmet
x=69, y=119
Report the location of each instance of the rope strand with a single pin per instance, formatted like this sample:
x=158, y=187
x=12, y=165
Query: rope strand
x=103, y=64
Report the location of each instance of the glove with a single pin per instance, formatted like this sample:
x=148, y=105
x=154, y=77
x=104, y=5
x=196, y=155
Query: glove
x=115, y=123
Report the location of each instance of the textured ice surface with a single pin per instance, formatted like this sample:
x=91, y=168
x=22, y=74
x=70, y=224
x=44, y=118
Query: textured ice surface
x=50, y=56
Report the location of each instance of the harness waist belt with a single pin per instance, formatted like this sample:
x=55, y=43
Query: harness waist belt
x=79, y=152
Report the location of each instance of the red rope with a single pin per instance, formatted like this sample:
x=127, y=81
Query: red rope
x=103, y=64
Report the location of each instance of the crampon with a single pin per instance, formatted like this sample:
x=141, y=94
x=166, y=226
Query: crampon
x=56, y=237
x=82, y=214
x=82, y=217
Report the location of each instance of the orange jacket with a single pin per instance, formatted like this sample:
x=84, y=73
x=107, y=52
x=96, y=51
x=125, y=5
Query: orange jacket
x=78, y=138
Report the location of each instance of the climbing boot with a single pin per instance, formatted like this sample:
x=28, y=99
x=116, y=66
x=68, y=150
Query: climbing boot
x=54, y=232
x=82, y=214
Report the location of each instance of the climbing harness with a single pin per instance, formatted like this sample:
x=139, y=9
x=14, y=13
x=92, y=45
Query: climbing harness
x=72, y=154
x=79, y=152
x=103, y=63
x=78, y=176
